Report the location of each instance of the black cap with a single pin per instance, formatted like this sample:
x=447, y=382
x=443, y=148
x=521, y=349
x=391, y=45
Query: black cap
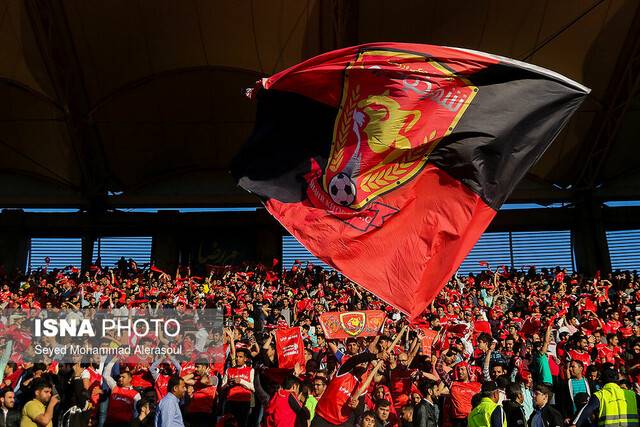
x=489, y=386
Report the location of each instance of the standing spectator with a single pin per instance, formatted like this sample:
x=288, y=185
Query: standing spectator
x=285, y=408
x=202, y=400
x=39, y=411
x=525, y=381
x=406, y=416
x=123, y=399
x=576, y=384
x=146, y=414
x=613, y=405
x=540, y=366
x=337, y=406
x=581, y=352
x=168, y=413
x=9, y=416
x=426, y=411
x=238, y=382
x=610, y=353
x=513, y=408
x=400, y=380
x=383, y=412
x=368, y=419
x=461, y=391
x=488, y=413
x=319, y=386
x=544, y=414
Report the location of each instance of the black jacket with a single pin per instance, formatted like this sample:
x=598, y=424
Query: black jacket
x=12, y=419
x=550, y=416
x=425, y=415
x=514, y=413
x=565, y=398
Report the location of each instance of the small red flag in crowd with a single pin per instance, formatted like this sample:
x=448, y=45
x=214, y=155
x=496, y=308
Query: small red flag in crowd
x=289, y=347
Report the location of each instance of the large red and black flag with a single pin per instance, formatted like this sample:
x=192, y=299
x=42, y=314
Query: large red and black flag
x=388, y=161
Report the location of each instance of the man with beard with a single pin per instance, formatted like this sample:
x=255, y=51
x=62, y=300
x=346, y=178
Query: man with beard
x=400, y=380
x=123, y=399
x=461, y=391
x=168, y=413
x=39, y=411
x=9, y=415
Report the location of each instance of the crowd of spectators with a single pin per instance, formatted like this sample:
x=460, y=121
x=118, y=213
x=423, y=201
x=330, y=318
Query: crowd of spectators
x=511, y=348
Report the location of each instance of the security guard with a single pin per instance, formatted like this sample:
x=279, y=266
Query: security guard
x=615, y=406
x=488, y=413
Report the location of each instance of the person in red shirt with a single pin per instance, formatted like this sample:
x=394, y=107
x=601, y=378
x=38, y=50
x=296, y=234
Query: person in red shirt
x=401, y=381
x=162, y=373
x=337, y=407
x=285, y=408
x=461, y=391
x=92, y=383
x=238, y=385
x=202, y=400
x=581, y=352
x=613, y=323
x=123, y=399
x=610, y=353
x=627, y=329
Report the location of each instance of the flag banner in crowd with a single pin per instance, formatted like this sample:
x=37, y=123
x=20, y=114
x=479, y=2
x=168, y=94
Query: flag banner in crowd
x=73, y=336
x=427, y=340
x=388, y=161
x=290, y=347
x=341, y=325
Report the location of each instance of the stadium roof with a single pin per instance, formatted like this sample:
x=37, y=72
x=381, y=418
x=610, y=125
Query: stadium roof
x=138, y=103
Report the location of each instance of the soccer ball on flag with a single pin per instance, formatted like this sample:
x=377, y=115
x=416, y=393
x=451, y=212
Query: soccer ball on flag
x=342, y=189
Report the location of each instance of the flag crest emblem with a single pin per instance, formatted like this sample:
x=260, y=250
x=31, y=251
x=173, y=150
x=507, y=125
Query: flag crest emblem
x=353, y=322
x=395, y=107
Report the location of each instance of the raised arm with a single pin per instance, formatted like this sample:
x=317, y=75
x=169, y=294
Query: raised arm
x=444, y=376
x=547, y=339
x=106, y=373
x=354, y=361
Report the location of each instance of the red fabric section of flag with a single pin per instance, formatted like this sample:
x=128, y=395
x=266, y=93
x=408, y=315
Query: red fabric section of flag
x=156, y=269
x=406, y=257
x=320, y=78
x=530, y=326
x=289, y=347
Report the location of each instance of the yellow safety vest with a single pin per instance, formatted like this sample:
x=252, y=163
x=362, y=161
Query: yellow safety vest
x=480, y=416
x=618, y=407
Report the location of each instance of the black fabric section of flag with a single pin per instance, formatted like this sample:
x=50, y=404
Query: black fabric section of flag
x=512, y=120
x=290, y=129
